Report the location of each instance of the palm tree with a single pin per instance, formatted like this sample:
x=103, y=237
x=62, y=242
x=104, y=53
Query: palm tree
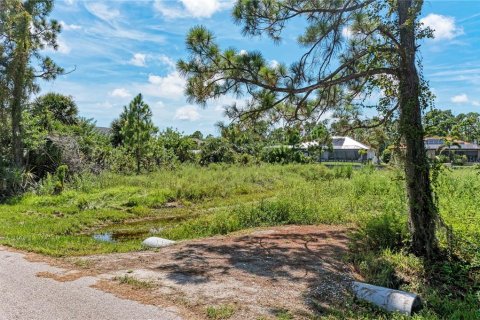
x=448, y=143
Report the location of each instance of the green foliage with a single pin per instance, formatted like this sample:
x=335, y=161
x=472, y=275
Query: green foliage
x=55, y=107
x=54, y=184
x=194, y=201
x=220, y=312
x=138, y=129
x=444, y=123
x=459, y=160
x=181, y=146
x=26, y=31
x=386, y=231
x=343, y=171
x=386, y=155
x=283, y=155
x=216, y=150
x=133, y=282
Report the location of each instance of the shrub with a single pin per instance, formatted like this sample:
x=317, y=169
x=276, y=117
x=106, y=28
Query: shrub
x=386, y=231
x=386, y=155
x=342, y=171
x=283, y=155
x=217, y=150
x=459, y=160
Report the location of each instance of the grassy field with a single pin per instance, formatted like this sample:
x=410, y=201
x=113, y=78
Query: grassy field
x=193, y=202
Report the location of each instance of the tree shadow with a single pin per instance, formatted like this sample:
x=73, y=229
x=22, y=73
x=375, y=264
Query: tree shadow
x=314, y=258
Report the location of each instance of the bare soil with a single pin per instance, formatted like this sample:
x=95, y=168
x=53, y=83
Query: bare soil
x=259, y=273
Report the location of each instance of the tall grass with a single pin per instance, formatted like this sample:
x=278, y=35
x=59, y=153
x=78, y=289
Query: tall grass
x=224, y=198
x=220, y=199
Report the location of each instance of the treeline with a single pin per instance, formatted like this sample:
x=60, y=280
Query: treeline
x=58, y=144
x=139, y=144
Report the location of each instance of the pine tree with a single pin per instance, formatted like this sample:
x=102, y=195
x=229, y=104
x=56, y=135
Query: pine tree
x=138, y=129
x=353, y=49
x=24, y=32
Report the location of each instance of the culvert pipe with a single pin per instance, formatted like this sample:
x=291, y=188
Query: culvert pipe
x=388, y=299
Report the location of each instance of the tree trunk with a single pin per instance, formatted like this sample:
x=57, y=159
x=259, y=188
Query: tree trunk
x=18, y=71
x=137, y=155
x=423, y=212
x=16, y=114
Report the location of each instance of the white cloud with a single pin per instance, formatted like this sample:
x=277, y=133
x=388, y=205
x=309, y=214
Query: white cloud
x=69, y=2
x=444, y=27
x=170, y=86
x=68, y=27
x=191, y=8
x=187, y=113
x=139, y=59
x=62, y=48
x=347, y=32
x=120, y=93
x=102, y=11
x=476, y=103
x=167, y=61
x=243, y=52
x=274, y=63
x=459, y=99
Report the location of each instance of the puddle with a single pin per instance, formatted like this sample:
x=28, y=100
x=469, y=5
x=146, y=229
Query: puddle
x=116, y=236
x=137, y=230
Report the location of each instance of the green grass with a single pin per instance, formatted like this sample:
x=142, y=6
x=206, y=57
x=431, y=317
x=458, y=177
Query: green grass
x=134, y=283
x=222, y=199
x=220, y=312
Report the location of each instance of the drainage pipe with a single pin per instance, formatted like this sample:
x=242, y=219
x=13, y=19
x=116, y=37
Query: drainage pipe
x=388, y=299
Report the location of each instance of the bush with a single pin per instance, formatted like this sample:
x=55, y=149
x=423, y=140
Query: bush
x=459, y=160
x=387, y=231
x=216, y=150
x=54, y=183
x=283, y=155
x=386, y=155
x=441, y=158
x=342, y=171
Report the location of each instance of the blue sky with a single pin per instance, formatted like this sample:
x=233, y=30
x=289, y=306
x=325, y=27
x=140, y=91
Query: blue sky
x=121, y=48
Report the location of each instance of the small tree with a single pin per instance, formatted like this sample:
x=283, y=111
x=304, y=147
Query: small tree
x=138, y=129
x=448, y=143
x=60, y=107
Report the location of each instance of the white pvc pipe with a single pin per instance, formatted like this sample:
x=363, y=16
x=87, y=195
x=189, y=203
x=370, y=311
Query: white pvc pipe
x=388, y=299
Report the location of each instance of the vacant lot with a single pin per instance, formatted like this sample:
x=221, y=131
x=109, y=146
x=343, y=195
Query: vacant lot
x=111, y=213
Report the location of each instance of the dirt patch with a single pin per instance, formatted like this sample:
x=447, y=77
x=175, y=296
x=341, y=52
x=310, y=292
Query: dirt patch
x=126, y=291
x=260, y=272
x=67, y=276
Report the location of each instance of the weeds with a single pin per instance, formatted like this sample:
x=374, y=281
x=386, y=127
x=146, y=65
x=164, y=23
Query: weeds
x=221, y=199
x=135, y=283
x=220, y=312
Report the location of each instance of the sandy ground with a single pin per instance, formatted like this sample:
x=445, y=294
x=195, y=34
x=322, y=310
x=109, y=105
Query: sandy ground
x=258, y=273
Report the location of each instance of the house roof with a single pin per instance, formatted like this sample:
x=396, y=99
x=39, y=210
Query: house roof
x=104, y=130
x=463, y=146
x=339, y=143
x=434, y=143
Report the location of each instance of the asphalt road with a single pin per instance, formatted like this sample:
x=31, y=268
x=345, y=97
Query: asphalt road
x=23, y=295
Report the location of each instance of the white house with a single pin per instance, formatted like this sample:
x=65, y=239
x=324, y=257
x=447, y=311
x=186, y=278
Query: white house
x=344, y=149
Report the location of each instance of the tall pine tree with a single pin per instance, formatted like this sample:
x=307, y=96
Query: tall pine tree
x=25, y=31
x=137, y=129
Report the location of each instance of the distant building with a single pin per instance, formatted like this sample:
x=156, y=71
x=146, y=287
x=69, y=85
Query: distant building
x=104, y=130
x=436, y=146
x=344, y=149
